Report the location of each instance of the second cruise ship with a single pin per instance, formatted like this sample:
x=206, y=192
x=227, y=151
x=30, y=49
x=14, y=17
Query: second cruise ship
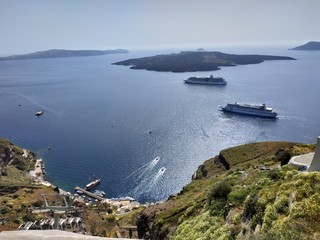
x=252, y=110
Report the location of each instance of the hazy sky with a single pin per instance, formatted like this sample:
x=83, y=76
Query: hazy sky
x=32, y=25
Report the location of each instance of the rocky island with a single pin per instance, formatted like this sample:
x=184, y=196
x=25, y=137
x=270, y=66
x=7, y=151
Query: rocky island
x=310, y=46
x=193, y=61
x=62, y=53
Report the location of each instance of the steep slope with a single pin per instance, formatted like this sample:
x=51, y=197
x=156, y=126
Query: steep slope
x=242, y=193
x=17, y=191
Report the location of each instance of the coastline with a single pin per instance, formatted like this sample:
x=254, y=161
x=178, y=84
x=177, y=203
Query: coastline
x=37, y=175
x=123, y=204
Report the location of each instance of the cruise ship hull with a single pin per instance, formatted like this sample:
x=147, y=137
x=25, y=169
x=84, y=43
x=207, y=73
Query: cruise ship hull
x=205, y=83
x=271, y=115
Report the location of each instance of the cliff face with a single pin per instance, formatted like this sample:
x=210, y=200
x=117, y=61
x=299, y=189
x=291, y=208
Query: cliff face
x=17, y=191
x=6, y=149
x=11, y=155
x=241, y=193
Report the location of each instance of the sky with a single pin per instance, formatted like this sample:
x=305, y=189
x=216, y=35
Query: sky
x=36, y=25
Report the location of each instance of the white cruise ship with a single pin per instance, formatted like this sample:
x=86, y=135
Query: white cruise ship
x=210, y=80
x=251, y=110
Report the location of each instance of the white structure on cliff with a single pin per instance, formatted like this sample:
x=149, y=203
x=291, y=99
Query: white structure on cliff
x=315, y=163
x=309, y=161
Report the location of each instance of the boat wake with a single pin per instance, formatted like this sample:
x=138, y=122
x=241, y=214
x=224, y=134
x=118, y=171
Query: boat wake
x=145, y=169
x=148, y=183
x=35, y=103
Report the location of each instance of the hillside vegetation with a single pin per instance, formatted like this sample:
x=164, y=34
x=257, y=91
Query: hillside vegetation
x=17, y=191
x=243, y=193
x=20, y=195
x=246, y=192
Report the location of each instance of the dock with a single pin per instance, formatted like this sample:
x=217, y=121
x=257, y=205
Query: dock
x=90, y=194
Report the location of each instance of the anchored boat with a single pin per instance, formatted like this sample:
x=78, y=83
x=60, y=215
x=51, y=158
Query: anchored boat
x=92, y=184
x=39, y=113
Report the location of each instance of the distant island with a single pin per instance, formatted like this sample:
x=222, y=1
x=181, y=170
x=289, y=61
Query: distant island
x=310, y=46
x=193, y=61
x=62, y=53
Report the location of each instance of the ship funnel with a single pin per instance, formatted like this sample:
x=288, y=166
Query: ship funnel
x=315, y=163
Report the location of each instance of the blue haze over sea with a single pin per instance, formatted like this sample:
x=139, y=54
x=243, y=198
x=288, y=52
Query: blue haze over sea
x=111, y=122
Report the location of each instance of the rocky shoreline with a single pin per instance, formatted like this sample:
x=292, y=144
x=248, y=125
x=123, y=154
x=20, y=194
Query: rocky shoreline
x=125, y=204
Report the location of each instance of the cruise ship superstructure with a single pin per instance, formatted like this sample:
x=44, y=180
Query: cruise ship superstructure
x=210, y=80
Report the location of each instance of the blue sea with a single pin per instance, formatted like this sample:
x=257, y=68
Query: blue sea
x=144, y=133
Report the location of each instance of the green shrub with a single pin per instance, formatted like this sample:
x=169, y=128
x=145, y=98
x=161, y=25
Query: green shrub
x=307, y=209
x=274, y=174
x=282, y=204
x=4, y=210
x=29, y=217
x=202, y=227
x=217, y=207
x=219, y=191
x=292, y=234
x=269, y=217
x=238, y=196
x=253, y=210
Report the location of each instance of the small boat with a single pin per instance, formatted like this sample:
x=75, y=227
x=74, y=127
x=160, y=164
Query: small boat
x=39, y=113
x=79, y=192
x=162, y=170
x=99, y=193
x=92, y=184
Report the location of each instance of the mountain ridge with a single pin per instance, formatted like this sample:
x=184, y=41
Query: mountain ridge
x=61, y=53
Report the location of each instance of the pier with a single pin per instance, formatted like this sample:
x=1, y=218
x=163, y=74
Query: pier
x=90, y=194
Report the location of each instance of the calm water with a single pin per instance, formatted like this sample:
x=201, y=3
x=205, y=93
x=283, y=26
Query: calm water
x=111, y=122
